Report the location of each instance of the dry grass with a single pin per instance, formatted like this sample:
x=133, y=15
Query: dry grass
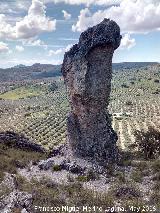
x=12, y=158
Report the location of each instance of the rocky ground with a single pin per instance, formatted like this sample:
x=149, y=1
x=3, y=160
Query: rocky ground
x=62, y=170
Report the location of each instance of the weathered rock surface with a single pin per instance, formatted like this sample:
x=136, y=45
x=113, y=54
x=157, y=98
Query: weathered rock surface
x=16, y=199
x=13, y=197
x=87, y=71
x=46, y=164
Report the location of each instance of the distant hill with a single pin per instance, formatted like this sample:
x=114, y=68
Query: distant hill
x=19, y=66
x=39, y=71
x=36, y=71
x=131, y=65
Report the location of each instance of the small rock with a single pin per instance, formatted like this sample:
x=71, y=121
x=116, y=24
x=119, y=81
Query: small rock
x=9, y=181
x=64, y=165
x=15, y=199
x=46, y=164
x=126, y=191
x=24, y=211
x=76, y=169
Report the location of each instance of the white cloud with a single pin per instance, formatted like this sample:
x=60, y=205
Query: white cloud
x=14, y=7
x=34, y=23
x=127, y=42
x=37, y=42
x=66, y=15
x=34, y=42
x=6, y=30
x=4, y=47
x=59, y=51
x=134, y=16
x=55, y=52
x=68, y=47
x=85, y=20
x=22, y=4
x=85, y=2
x=19, y=48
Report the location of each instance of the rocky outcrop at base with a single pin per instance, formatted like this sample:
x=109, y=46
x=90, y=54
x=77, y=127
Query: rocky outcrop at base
x=87, y=71
x=13, y=197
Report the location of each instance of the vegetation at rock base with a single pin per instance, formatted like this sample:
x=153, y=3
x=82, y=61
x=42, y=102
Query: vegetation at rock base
x=125, y=188
x=12, y=158
x=90, y=176
x=56, y=168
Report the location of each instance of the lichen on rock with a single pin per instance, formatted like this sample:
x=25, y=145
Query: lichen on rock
x=87, y=71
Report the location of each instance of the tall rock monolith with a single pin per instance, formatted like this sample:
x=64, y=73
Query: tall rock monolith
x=87, y=71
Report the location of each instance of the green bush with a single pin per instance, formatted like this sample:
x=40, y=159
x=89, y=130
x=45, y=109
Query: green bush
x=56, y=168
x=120, y=176
x=137, y=176
x=148, y=143
x=156, y=81
x=124, y=86
x=53, y=87
x=129, y=103
x=91, y=175
x=82, y=178
x=156, y=166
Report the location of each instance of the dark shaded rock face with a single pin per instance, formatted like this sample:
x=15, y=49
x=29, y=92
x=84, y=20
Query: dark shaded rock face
x=87, y=71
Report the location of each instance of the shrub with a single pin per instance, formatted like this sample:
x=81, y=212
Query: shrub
x=91, y=175
x=70, y=178
x=137, y=176
x=126, y=191
x=155, y=196
x=53, y=87
x=4, y=190
x=129, y=103
x=156, y=80
x=56, y=168
x=124, y=86
x=132, y=82
x=121, y=176
x=140, y=165
x=156, y=166
x=156, y=177
x=148, y=143
x=125, y=158
x=82, y=178
x=155, y=92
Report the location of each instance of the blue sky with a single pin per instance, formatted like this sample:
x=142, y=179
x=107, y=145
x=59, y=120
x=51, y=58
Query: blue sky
x=40, y=31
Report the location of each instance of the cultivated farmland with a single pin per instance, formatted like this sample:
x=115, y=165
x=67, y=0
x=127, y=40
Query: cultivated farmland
x=38, y=108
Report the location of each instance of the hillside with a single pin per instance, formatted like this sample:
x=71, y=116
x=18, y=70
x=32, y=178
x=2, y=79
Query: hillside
x=38, y=108
x=39, y=71
x=36, y=71
x=132, y=65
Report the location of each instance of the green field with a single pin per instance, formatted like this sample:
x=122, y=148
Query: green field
x=40, y=113
x=22, y=93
